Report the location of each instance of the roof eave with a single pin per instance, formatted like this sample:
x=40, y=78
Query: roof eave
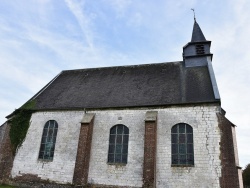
x=218, y=102
x=199, y=42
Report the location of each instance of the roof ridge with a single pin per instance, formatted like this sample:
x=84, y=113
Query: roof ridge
x=126, y=66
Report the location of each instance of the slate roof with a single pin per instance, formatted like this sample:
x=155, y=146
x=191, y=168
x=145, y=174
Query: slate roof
x=147, y=85
x=197, y=35
x=127, y=86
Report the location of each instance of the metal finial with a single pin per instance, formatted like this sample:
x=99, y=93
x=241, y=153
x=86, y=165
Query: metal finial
x=194, y=13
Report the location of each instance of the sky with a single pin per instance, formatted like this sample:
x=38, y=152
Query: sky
x=40, y=38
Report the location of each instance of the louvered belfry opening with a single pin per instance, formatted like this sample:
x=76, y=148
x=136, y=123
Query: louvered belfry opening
x=199, y=49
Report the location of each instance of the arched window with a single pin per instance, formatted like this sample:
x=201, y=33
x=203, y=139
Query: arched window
x=118, y=144
x=48, y=140
x=182, y=144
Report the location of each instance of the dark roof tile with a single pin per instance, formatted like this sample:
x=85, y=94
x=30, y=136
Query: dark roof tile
x=197, y=35
x=127, y=86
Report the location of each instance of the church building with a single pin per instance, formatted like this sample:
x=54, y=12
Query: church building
x=150, y=125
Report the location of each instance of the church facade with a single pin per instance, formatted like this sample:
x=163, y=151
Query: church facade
x=153, y=125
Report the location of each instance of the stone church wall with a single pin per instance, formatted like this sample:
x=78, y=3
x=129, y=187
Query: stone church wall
x=131, y=174
x=207, y=168
x=61, y=169
x=205, y=173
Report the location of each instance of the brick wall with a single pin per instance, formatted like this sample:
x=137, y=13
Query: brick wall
x=150, y=138
x=83, y=152
x=230, y=177
x=6, y=157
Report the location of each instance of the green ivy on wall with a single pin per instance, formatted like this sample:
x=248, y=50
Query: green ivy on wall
x=19, y=124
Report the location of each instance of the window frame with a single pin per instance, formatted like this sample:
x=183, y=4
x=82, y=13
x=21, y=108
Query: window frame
x=182, y=145
x=116, y=139
x=48, y=141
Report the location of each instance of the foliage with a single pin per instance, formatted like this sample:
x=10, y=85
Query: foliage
x=20, y=124
x=28, y=105
x=246, y=175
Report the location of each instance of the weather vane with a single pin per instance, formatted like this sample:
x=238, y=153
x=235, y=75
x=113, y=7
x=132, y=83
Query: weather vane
x=194, y=13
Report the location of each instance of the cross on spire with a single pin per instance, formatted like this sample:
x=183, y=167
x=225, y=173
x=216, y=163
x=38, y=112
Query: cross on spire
x=194, y=13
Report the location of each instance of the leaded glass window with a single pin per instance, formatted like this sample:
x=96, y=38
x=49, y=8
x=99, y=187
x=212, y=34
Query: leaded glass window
x=182, y=144
x=118, y=144
x=48, y=140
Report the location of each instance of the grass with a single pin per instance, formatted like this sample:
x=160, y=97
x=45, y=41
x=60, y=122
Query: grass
x=6, y=186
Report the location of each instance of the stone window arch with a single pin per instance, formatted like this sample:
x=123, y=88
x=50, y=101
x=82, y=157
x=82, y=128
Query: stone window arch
x=118, y=144
x=48, y=142
x=182, y=147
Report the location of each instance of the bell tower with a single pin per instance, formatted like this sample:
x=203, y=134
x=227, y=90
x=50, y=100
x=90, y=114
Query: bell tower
x=197, y=52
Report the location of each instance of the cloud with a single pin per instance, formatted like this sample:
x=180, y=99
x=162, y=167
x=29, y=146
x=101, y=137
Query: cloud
x=84, y=21
x=231, y=63
x=40, y=38
x=120, y=6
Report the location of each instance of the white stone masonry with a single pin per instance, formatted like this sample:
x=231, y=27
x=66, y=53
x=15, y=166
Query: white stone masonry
x=205, y=173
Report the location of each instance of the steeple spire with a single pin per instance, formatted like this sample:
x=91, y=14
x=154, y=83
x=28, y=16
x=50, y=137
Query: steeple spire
x=197, y=35
x=197, y=51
